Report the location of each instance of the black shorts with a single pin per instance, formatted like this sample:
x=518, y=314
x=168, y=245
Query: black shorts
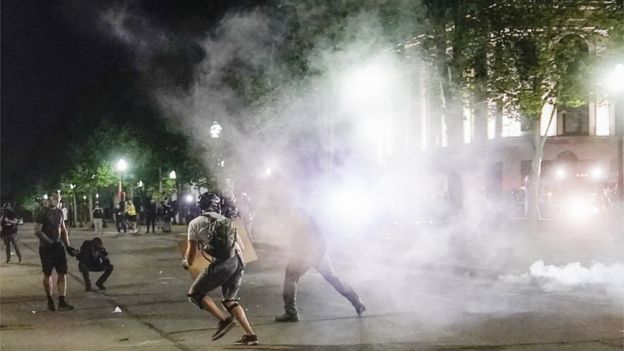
x=53, y=257
x=228, y=274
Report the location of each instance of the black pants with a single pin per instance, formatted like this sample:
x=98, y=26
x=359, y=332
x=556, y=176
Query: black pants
x=150, y=220
x=7, y=243
x=84, y=269
x=295, y=269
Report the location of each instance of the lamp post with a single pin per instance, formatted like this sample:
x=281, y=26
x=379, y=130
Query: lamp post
x=121, y=167
x=74, y=207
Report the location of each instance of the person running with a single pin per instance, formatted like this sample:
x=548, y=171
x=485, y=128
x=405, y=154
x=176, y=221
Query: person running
x=8, y=224
x=53, y=241
x=94, y=258
x=213, y=234
x=309, y=249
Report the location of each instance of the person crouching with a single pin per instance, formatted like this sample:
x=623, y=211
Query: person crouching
x=94, y=258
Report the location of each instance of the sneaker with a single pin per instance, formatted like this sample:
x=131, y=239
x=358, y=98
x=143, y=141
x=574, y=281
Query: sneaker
x=100, y=286
x=224, y=327
x=64, y=306
x=51, y=305
x=359, y=309
x=248, y=340
x=19, y=261
x=287, y=317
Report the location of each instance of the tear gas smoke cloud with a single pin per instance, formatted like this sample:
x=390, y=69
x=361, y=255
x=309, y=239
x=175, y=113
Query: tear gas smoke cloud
x=573, y=275
x=360, y=91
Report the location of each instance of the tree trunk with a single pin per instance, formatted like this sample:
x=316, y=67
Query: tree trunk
x=90, y=209
x=533, y=186
x=75, y=209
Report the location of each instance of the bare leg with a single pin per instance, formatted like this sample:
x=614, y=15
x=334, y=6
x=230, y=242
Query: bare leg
x=47, y=284
x=212, y=307
x=239, y=314
x=61, y=285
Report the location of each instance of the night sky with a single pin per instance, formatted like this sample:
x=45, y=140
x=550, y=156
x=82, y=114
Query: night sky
x=57, y=66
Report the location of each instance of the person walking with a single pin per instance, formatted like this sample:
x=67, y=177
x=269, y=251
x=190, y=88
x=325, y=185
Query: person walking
x=98, y=219
x=94, y=258
x=53, y=242
x=213, y=234
x=8, y=224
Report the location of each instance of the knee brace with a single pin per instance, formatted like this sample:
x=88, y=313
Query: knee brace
x=196, y=299
x=232, y=306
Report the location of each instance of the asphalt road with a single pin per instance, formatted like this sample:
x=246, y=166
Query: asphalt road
x=425, y=292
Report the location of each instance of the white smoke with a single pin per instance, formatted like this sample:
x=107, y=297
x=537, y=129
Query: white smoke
x=131, y=27
x=365, y=85
x=572, y=276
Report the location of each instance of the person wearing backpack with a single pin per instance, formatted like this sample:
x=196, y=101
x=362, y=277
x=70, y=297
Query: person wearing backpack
x=9, y=232
x=214, y=234
x=94, y=258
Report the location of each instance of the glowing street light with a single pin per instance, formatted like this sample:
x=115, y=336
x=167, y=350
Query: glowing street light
x=597, y=173
x=189, y=198
x=614, y=82
x=215, y=130
x=121, y=167
x=45, y=196
x=172, y=175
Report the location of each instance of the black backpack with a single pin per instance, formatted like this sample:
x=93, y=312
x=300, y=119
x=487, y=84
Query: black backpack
x=223, y=239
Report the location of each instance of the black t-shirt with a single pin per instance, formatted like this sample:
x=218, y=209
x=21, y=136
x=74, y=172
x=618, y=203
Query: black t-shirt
x=50, y=219
x=98, y=213
x=8, y=228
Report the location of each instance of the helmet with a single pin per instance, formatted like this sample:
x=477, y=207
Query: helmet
x=209, y=202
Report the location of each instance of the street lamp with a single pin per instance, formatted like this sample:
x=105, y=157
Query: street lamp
x=121, y=167
x=215, y=130
x=172, y=175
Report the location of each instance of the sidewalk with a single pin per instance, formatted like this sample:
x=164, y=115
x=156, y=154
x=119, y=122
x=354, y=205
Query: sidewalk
x=149, y=287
